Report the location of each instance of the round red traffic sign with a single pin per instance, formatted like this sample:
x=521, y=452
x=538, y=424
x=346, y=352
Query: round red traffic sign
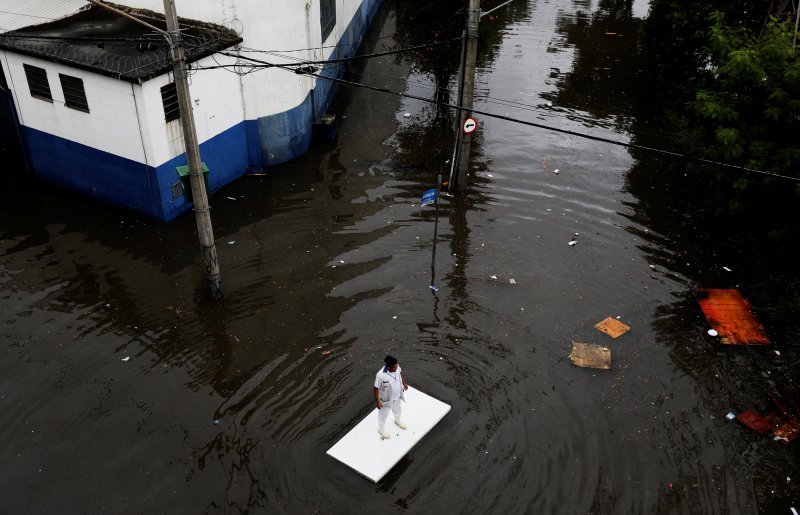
x=470, y=125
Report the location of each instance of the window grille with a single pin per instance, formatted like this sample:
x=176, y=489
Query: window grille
x=169, y=97
x=74, y=94
x=37, y=82
x=327, y=17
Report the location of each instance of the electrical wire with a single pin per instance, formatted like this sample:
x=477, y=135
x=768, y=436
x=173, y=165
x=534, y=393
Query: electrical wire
x=290, y=67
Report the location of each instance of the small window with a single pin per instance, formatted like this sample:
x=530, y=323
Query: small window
x=37, y=82
x=327, y=17
x=74, y=94
x=169, y=97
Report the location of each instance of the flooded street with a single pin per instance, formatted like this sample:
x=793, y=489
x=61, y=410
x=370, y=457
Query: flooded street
x=126, y=389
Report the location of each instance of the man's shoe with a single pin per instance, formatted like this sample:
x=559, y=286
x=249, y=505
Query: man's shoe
x=400, y=423
x=384, y=434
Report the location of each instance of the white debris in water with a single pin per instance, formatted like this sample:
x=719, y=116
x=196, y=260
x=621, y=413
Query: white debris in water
x=407, y=115
x=512, y=281
x=573, y=243
x=556, y=171
x=494, y=277
x=126, y=358
x=231, y=198
x=727, y=269
x=713, y=332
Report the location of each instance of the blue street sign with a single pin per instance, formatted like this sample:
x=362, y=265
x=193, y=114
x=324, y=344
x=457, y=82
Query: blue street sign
x=429, y=197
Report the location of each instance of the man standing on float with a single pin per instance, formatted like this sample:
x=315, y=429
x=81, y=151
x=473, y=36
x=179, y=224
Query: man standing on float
x=389, y=387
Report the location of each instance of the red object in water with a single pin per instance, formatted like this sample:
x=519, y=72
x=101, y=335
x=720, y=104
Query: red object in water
x=732, y=316
x=754, y=421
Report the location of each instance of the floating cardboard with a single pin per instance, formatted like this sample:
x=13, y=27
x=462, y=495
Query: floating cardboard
x=613, y=327
x=731, y=316
x=363, y=450
x=590, y=356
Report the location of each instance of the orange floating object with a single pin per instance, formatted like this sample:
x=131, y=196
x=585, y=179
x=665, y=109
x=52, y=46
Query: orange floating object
x=754, y=421
x=731, y=316
x=612, y=327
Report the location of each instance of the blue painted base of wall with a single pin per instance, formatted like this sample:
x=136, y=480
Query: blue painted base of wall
x=267, y=141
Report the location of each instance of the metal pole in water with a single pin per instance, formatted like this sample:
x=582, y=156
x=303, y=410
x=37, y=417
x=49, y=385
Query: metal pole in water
x=205, y=231
x=435, y=233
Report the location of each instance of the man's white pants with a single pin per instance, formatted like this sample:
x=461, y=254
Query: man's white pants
x=383, y=413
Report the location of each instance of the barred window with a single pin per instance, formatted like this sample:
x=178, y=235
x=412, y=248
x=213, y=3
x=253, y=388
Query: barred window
x=74, y=94
x=37, y=82
x=169, y=97
x=327, y=17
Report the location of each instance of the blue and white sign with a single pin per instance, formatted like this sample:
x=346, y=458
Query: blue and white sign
x=428, y=198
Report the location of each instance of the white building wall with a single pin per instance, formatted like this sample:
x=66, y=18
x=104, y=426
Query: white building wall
x=126, y=119
x=110, y=125
x=216, y=101
x=269, y=25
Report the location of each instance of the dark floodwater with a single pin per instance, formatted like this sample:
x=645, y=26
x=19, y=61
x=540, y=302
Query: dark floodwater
x=331, y=253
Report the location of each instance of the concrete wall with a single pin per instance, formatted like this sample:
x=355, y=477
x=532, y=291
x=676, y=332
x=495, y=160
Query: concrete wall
x=111, y=124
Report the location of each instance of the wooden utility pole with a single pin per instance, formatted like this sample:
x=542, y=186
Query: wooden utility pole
x=205, y=231
x=467, y=93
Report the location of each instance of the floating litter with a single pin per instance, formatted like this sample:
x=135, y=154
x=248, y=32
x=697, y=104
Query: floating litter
x=126, y=358
x=433, y=288
x=730, y=416
x=512, y=281
x=407, y=115
x=494, y=277
x=573, y=243
x=713, y=332
x=727, y=269
x=231, y=198
x=556, y=171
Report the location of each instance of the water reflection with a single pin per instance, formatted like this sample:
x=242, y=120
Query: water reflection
x=230, y=406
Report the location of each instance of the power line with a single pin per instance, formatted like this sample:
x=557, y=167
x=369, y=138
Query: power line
x=28, y=15
x=635, y=146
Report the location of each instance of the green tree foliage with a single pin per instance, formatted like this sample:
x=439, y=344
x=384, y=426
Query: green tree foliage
x=750, y=107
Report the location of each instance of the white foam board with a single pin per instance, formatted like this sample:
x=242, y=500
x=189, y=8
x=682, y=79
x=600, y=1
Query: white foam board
x=363, y=450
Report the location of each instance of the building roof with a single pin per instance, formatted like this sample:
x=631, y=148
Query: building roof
x=15, y=14
x=101, y=41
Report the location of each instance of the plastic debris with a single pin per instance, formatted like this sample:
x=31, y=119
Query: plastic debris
x=433, y=288
x=727, y=269
x=587, y=355
x=777, y=352
x=731, y=316
x=326, y=353
x=231, y=198
x=754, y=421
x=126, y=358
x=572, y=243
x=613, y=328
x=730, y=416
x=407, y=115
x=216, y=421
x=794, y=511
x=231, y=242
x=713, y=332
x=512, y=281
x=556, y=171
x=494, y=277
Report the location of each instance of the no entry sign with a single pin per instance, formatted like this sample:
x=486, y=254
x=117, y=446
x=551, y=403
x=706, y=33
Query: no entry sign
x=470, y=125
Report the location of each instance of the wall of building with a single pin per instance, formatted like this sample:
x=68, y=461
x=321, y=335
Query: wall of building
x=123, y=150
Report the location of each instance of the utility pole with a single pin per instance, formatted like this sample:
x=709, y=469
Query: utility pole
x=467, y=93
x=205, y=232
